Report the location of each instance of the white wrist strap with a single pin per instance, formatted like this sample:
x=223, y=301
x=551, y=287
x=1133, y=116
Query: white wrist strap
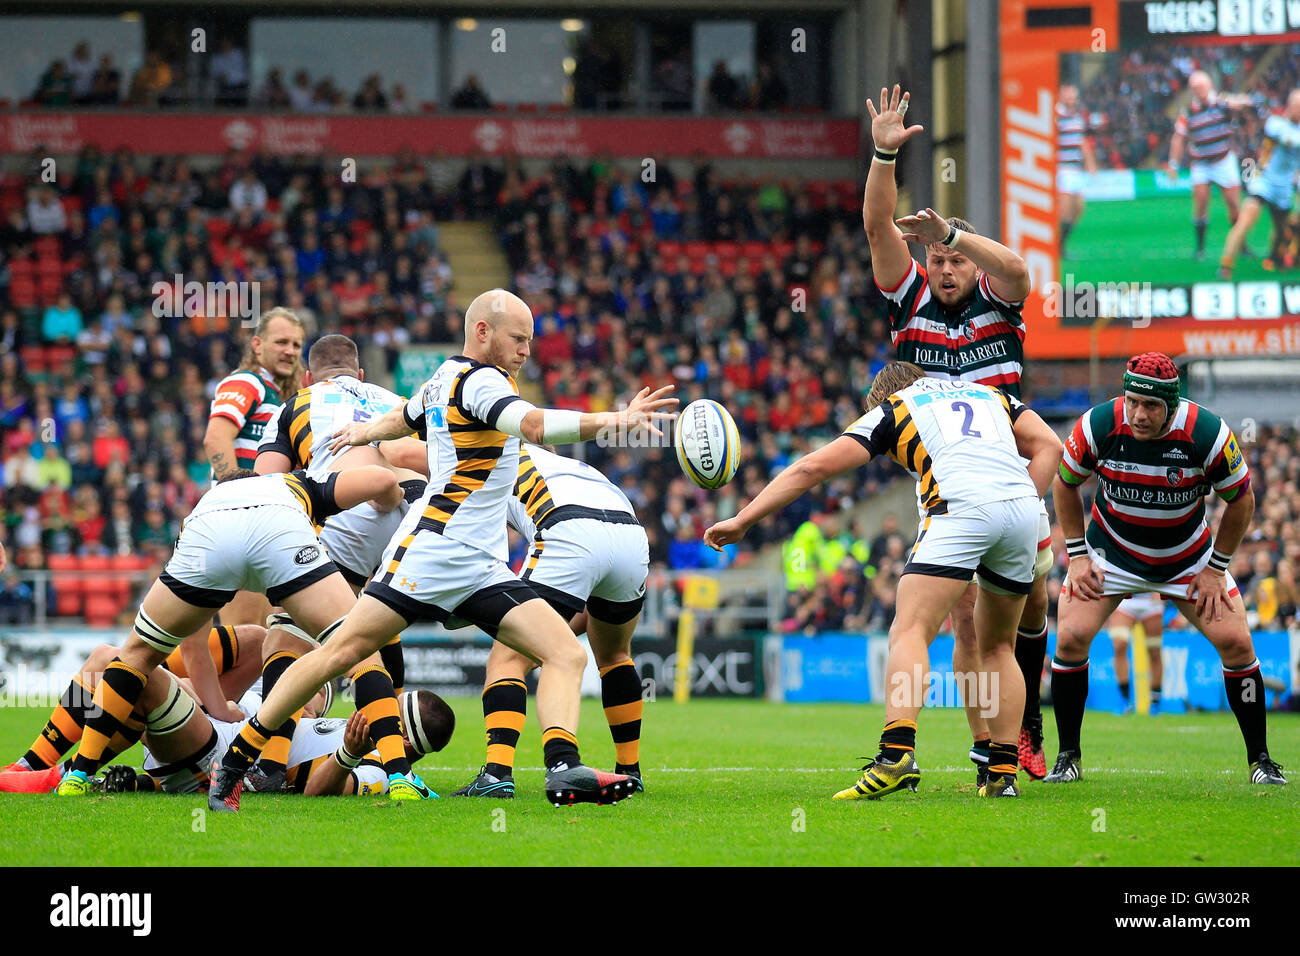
x=561, y=427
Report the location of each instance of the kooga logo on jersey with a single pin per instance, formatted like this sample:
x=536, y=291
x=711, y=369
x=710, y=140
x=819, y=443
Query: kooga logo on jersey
x=702, y=437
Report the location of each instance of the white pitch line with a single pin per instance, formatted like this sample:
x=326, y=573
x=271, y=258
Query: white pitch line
x=924, y=770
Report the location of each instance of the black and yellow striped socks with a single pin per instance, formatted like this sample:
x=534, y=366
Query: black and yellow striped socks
x=62, y=730
x=275, y=755
x=390, y=655
x=620, y=694
x=559, y=749
x=373, y=688
x=505, y=705
x=246, y=747
x=115, y=698
x=898, y=739
x=1004, y=759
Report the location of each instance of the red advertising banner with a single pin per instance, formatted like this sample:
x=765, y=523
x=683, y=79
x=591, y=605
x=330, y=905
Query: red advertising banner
x=1139, y=286
x=496, y=134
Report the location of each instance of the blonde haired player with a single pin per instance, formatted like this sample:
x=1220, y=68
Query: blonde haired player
x=963, y=444
x=245, y=402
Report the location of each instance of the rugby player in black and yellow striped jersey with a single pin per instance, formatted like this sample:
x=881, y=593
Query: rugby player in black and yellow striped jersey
x=450, y=553
x=963, y=444
x=254, y=533
x=960, y=317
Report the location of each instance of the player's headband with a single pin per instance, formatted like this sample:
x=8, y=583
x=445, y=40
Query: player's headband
x=415, y=732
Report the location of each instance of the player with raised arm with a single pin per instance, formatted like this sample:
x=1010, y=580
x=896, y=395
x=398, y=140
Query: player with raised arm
x=253, y=532
x=959, y=318
x=449, y=555
x=1204, y=129
x=1074, y=157
x=1272, y=184
x=963, y=444
x=1156, y=457
x=245, y=402
x=335, y=394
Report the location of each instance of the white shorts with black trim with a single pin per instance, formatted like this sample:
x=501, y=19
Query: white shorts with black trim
x=1116, y=580
x=997, y=540
x=1142, y=606
x=1224, y=173
x=425, y=576
x=586, y=562
x=267, y=549
x=356, y=539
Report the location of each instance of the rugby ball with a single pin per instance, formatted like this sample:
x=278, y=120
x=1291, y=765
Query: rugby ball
x=707, y=443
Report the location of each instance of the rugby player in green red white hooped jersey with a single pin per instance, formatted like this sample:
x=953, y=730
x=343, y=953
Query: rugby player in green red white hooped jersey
x=958, y=318
x=247, y=398
x=245, y=401
x=1156, y=457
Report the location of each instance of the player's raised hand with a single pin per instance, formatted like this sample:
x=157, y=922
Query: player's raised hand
x=724, y=533
x=887, y=127
x=646, y=409
x=353, y=433
x=356, y=735
x=925, y=227
x=1085, y=579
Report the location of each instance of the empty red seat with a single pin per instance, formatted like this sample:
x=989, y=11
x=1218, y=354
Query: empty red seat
x=754, y=250
x=670, y=249
x=218, y=228
x=696, y=250
x=22, y=267
x=62, y=562
x=49, y=267
x=726, y=250
x=48, y=246
x=60, y=355
x=102, y=610
x=67, y=601
x=95, y=562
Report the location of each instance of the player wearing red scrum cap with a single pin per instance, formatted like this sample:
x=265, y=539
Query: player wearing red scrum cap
x=1156, y=456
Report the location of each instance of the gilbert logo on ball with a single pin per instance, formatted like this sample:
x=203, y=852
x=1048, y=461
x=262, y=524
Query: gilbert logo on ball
x=707, y=443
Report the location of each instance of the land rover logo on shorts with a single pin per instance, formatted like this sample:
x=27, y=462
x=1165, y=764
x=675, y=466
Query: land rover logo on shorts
x=307, y=555
x=1175, y=476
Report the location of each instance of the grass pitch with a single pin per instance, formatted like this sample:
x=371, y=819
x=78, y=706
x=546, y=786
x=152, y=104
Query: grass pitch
x=729, y=783
x=1152, y=240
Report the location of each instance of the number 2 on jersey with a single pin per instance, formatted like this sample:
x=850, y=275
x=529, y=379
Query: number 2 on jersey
x=964, y=420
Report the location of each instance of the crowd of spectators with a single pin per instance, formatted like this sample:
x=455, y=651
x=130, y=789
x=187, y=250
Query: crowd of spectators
x=1130, y=101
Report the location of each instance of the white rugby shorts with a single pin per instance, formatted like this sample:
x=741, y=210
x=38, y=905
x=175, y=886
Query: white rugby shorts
x=586, y=562
x=998, y=540
x=268, y=549
x=1225, y=173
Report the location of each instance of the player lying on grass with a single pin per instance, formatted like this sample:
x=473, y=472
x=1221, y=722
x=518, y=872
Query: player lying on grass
x=254, y=533
x=1156, y=457
x=335, y=393
x=181, y=740
x=963, y=444
x=235, y=658
x=449, y=555
x=590, y=562
x=959, y=317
